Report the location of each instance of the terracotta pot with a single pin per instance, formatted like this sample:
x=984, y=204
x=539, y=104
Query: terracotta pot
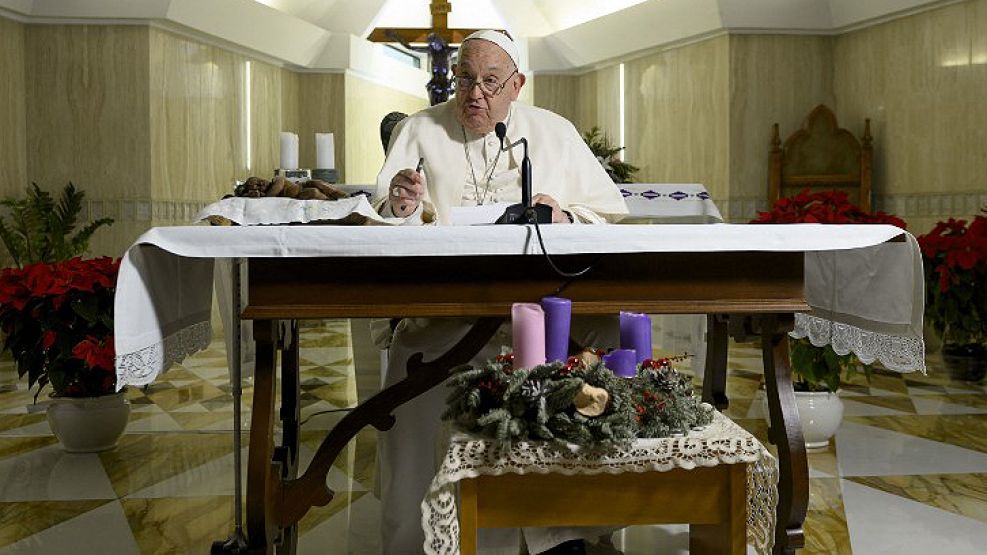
x=89, y=424
x=966, y=363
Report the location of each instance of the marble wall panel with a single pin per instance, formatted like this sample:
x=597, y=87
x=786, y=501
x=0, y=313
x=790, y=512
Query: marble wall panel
x=321, y=109
x=202, y=137
x=267, y=109
x=677, y=115
x=366, y=104
x=197, y=117
x=290, y=101
x=556, y=93
x=588, y=99
x=13, y=129
x=922, y=81
x=87, y=103
x=773, y=79
x=599, y=102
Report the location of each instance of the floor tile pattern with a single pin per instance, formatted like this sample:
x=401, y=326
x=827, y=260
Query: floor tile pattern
x=906, y=473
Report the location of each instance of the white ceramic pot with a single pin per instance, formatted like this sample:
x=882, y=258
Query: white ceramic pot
x=820, y=414
x=89, y=424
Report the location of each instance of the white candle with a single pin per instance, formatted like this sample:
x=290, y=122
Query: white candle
x=325, y=157
x=289, y=151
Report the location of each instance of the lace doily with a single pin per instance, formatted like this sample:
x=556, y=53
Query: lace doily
x=722, y=442
x=141, y=367
x=898, y=353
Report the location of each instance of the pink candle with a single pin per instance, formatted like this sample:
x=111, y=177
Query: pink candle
x=635, y=333
x=528, y=328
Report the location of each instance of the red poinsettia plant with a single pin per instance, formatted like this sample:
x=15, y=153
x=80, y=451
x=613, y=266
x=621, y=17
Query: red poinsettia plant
x=57, y=321
x=955, y=259
x=822, y=207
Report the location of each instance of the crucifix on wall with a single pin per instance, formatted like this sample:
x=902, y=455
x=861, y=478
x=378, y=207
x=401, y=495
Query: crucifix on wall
x=438, y=40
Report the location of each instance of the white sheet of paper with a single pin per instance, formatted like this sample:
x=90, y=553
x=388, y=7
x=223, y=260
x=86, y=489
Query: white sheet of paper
x=475, y=215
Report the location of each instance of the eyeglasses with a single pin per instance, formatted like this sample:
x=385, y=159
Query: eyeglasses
x=489, y=85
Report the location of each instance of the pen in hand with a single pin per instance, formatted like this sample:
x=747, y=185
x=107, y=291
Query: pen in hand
x=418, y=170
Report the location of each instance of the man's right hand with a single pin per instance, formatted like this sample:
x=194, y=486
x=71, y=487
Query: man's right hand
x=406, y=192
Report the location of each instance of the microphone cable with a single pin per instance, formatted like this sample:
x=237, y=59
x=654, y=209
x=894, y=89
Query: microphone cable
x=529, y=214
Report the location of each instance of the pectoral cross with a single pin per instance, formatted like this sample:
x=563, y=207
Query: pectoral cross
x=438, y=40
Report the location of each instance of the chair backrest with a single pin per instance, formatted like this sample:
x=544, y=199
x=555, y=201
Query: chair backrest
x=387, y=126
x=821, y=155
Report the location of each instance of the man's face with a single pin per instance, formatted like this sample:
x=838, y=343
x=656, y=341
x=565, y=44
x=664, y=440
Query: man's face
x=483, y=60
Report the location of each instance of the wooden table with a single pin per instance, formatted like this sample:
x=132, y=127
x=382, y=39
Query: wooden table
x=766, y=288
x=712, y=501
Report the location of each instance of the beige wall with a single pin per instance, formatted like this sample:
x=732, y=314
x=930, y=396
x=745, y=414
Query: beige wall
x=198, y=118
x=13, y=131
x=703, y=111
x=773, y=79
x=557, y=93
x=152, y=125
x=923, y=82
x=87, y=101
x=677, y=115
x=321, y=101
x=366, y=105
x=587, y=100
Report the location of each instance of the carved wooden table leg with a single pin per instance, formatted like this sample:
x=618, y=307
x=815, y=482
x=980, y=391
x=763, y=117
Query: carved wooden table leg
x=298, y=496
x=287, y=453
x=786, y=433
x=263, y=475
x=715, y=373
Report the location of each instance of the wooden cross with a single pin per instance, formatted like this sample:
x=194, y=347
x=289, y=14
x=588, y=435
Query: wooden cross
x=440, y=26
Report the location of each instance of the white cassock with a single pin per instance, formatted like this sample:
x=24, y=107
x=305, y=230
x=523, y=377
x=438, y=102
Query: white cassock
x=464, y=169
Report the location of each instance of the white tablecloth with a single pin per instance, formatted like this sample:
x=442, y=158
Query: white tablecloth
x=722, y=442
x=164, y=291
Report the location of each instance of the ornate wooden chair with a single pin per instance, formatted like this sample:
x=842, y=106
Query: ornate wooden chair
x=821, y=155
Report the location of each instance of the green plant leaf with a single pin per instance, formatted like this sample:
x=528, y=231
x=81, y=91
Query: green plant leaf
x=40, y=230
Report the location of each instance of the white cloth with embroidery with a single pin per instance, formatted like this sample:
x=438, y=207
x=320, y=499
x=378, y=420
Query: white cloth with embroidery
x=678, y=203
x=721, y=442
x=869, y=301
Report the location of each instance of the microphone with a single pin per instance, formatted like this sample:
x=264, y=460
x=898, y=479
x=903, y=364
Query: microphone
x=524, y=212
x=501, y=130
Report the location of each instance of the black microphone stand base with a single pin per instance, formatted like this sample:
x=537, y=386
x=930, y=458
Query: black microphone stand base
x=520, y=214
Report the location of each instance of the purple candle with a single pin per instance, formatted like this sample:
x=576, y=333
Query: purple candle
x=558, y=313
x=635, y=333
x=528, y=328
x=622, y=362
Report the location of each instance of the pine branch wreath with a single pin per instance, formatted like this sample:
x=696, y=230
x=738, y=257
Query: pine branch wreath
x=580, y=402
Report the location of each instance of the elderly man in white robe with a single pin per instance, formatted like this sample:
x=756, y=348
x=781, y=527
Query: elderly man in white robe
x=464, y=166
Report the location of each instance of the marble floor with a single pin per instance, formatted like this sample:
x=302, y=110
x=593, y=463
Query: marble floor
x=906, y=474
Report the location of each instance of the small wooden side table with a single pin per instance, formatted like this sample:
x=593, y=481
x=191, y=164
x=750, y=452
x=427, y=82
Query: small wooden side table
x=712, y=500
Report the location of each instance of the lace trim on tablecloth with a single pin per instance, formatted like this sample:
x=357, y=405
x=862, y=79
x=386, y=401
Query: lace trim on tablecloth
x=721, y=442
x=140, y=367
x=895, y=352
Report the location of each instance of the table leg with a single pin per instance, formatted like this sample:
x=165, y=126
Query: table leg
x=310, y=490
x=467, y=516
x=287, y=453
x=729, y=536
x=263, y=473
x=785, y=433
x=715, y=373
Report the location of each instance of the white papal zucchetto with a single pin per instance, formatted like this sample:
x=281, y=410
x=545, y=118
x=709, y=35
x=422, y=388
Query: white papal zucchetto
x=501, y=40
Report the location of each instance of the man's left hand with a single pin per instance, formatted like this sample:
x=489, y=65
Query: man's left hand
x=558, y=216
